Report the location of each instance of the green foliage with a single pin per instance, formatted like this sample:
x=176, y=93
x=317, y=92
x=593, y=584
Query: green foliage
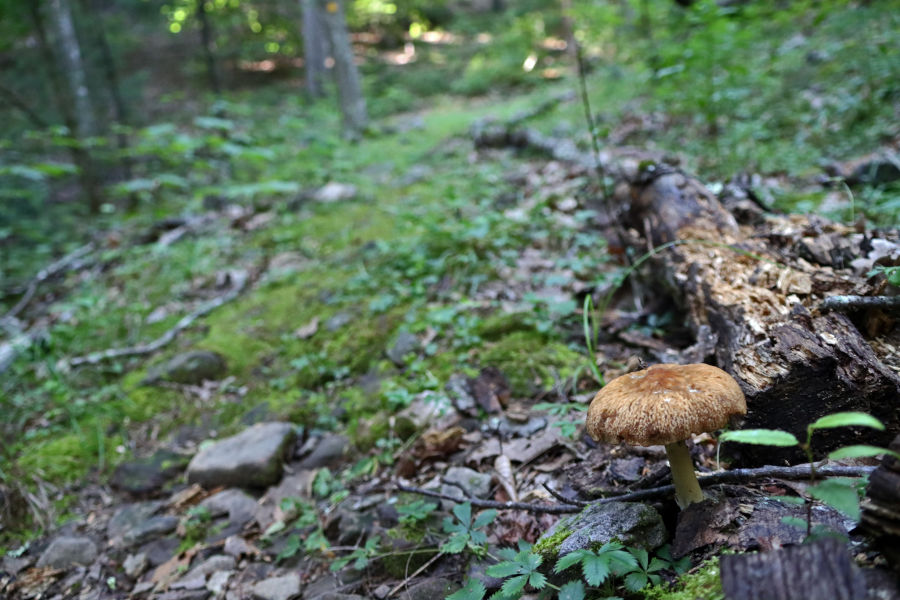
x=360, y=557
x=891, y=273
x=465, y=533
x=764, y=437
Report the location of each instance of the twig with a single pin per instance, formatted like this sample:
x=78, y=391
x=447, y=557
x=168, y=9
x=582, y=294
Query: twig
x=44, y=274
x=563, y=499
x=240, y=282
x=414, y=574
x=732, y=476
x=846, y=303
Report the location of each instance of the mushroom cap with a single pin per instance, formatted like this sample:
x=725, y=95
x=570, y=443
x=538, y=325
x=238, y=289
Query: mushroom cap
x=664, y=404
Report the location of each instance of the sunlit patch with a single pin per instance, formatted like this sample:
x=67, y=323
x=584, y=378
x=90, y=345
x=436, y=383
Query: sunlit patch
x=530, y=62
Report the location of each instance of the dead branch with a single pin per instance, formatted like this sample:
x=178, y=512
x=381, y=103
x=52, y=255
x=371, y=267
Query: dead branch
x=239, y=279
x=706, y=480
x=848, y=303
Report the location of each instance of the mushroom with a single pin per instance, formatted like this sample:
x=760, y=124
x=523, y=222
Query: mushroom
x=666, y=404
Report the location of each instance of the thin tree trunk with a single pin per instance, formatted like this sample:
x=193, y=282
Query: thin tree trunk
x=74, y=70
x=206, y=39
x=111, y=75
x=16, y=101
x=314, y=48
x=87, y=171
x=353, y=105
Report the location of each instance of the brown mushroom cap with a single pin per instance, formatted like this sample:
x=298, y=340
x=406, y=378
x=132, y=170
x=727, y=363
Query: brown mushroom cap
x=664, y=404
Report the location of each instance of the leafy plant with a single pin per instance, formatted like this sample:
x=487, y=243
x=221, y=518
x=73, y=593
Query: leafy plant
x=360, y=556
x=465, y=532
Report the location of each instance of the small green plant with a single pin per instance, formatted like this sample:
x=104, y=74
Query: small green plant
x=360, y=556
x=840, y=493
x=465, y=532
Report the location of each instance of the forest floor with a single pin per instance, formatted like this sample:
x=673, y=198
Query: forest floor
x=407, y=311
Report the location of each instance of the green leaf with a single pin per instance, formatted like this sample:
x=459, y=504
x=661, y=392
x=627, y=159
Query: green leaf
x=596, y=570
x=764, y=437
x=463, y=512
x=657, y=564
x=572, y=558
x=794, y=522
x=473, y=590
x=456, y=544
x=839, y=493
x=514, y=585
x=574, y=590
x=636, y=581
x=503, y=569
x=537, y=580
x=847, y=419
x=860, y=451
x=484, y=518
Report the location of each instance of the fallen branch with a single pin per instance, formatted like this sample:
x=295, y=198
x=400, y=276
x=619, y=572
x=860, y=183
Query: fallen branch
x=240, y=282
x=847, y=303
x=414, y=574
x=706, y=480
x=44, y=274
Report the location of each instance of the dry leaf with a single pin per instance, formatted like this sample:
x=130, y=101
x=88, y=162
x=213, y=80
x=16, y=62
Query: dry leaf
x=172, y=569
x=506, y=477
x=308, y=330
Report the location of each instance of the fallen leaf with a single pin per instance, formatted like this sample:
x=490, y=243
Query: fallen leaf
x=506, y=477
x=307, y=331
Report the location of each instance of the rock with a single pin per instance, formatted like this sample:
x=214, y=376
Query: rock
x=237, y=547
x=337, y=321
x=219, y=562
x=252, y=458
x=457, y=388
x=631, y=523
x=405, y=343
x=277, y=588
x=239, y=506
x=430, y=589
x=65, y=551
x=217, y=582
x=191, y=368
x=137, y=523
x=146, y=475
x=329, y=450
x=414, y=174
x=135, y=564
x=335, y=192
x=474, y=483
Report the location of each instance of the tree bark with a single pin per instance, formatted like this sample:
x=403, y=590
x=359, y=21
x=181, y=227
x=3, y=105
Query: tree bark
x=353, y=105
x=74, y=69
x=314, y=48
x=87, y=171
x=206, y=41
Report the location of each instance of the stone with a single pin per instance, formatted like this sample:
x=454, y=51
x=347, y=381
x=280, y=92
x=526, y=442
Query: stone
x=217, y=582
x=252, y=458
x=277, y=588
x=457, y=388
x=631, y=523
x=335, y=191
x=329, y=450
x=65, y=551
x=138, y=523
x=337, y=321
x=475, y=483
x=147, y=475
x=405, y=343
x=190, y=368
x=238, y=505
x=135, y=564
x=430, y=589
x=219, y=562
x=237, y=546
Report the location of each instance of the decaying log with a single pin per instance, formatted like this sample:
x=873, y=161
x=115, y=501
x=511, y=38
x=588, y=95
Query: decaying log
x=757, y=305
x=820, y=569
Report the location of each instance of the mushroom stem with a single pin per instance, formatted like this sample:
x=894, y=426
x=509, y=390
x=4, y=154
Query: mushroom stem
x=687, y=488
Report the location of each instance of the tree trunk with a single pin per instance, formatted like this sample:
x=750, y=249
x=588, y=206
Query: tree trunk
x=314, y=48
x=87, y=171
x=353, y=105
x=206, y=40
x=753, y=297
x=74, y=70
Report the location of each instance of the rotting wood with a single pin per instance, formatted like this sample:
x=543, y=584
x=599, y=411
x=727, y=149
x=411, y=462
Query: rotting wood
x=753, y=298
x=819, y=569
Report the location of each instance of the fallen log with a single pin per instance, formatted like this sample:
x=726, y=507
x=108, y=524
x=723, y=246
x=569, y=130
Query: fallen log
x=755, y=307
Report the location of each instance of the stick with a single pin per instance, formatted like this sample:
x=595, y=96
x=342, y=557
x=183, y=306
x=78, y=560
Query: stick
x=240, y=282
x=848, y=303
x=414, y=574
x=733, y=476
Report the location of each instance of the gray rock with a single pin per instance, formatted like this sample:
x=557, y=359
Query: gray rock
x=431, y=588
x=219, y=562
x=335, y=191
x=631, y=523
x=277, y=588
x=405, y=343
x=460, y=393
x=337, y=321
x=329, y=450
x=65, y=551
x=239, y=506
x=218, y=581
x=190, y=368
x=475, y=483
x=146, y=475
x=414, y=174
x=252, y=458
x=138, y=523
x=237, y=546
x=135, y=564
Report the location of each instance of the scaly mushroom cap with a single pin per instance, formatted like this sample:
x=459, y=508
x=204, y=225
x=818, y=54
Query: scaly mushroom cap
x=664, y=404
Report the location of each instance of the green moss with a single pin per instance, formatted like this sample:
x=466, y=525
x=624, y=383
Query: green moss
x=530, y=362
x=67, y=457
x=705, y=583
x=548, y=546
x=498, y=325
